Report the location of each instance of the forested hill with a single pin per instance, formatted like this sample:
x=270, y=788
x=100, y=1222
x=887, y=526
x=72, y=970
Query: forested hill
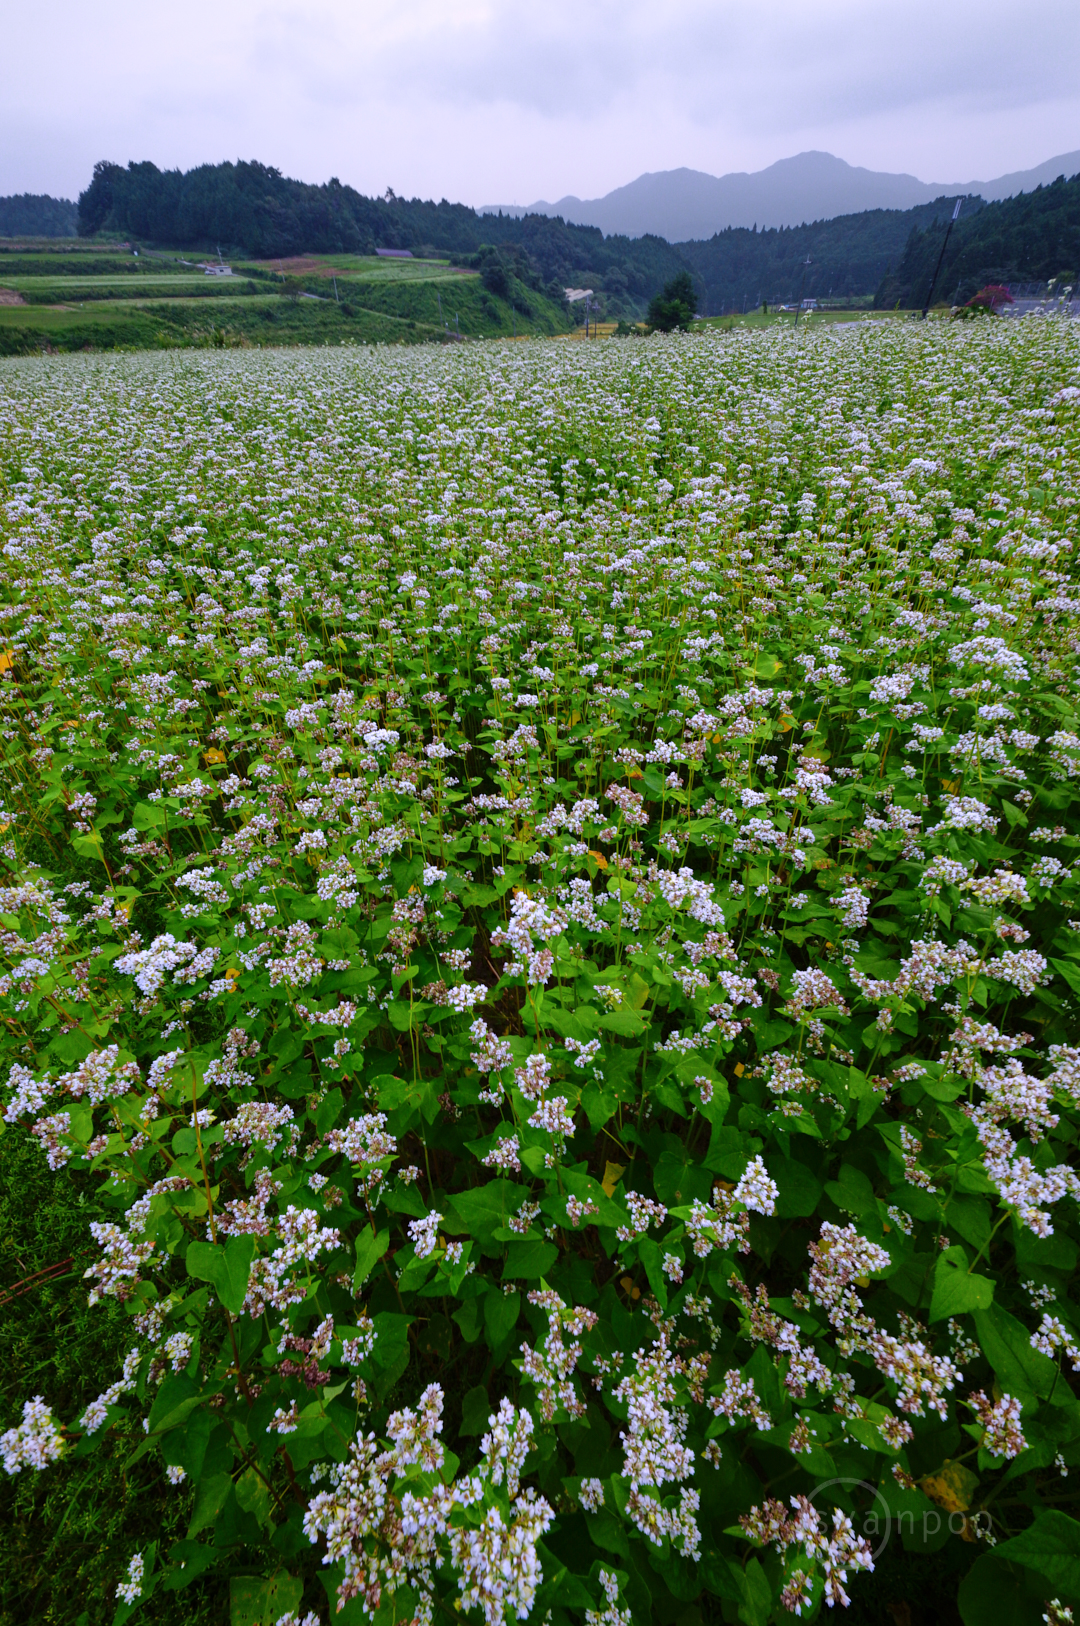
x=1034, y=236
x=27, y=215
x=848, y=255
x=251, y=207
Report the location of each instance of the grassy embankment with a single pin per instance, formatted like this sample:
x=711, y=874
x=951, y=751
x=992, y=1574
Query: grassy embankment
x=97, y=297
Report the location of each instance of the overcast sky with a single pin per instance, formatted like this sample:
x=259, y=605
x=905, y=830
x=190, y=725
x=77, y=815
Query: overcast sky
x=512, y=100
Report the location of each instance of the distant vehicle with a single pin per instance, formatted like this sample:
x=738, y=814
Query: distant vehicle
x=809, y=305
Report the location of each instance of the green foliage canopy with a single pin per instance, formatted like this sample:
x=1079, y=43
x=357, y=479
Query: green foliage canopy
x=29, y=215
x=675, y=305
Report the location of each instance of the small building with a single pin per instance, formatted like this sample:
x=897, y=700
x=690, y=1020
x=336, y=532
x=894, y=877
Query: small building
x=394, y=253
x=574, y=294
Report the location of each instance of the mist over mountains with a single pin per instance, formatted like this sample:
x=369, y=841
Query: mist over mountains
x=686, y=204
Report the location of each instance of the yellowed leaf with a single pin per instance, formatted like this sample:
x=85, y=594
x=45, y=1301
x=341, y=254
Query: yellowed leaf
x=951, y=785
x=7, y=659
x=213, y=755
x=601, y=861
x=951, y=1487
x=613, y=1173
x=739, y=1069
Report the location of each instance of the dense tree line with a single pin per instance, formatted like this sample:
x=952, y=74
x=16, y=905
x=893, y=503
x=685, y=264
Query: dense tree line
x=848, y=256
x=29, y=215
x=253, y=208
x=1033, y=236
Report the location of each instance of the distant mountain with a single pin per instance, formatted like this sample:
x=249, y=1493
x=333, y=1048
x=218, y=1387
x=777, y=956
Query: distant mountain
x=687, y=205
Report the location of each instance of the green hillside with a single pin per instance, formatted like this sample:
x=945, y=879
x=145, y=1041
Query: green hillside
x=836, y=259
x=1034, y=236
x=252, y=209
x=106, y=301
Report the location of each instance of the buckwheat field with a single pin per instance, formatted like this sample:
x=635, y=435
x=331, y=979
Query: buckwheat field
x=540, y=907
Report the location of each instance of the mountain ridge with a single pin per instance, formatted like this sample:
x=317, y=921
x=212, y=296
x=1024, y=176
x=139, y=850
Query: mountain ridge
x=688, y=205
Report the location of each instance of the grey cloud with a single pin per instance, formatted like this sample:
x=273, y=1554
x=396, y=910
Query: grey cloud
x=481, y=98
x=787, y=70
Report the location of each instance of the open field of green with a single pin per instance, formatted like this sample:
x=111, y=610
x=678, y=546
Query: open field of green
x=168, y=324
x=81, y=291
x=362, y=267
x=540, y=979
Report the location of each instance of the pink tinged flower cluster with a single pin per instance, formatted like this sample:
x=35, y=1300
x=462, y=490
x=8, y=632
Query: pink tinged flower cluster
x=837, y=1262
x=739, y=1398
x=365, y=1144
x=282, y=1277
x=385, y=1535
x=832, y=1551
x=530, y=919
x=34, y=1442
x=552, y=1367
x=655, y=1452
x=725, y=1224
x=1003, y=1435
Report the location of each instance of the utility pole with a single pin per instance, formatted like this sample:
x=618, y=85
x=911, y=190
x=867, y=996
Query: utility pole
x=337, y=296
x=802, y=288
x=940, y=258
